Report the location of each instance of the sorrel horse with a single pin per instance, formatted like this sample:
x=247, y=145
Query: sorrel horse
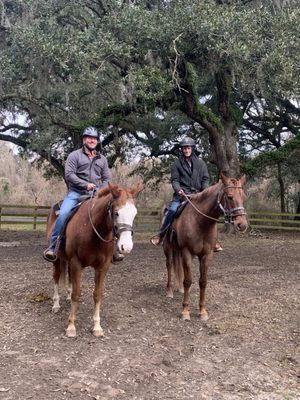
x=89, y=241
x=196, y=235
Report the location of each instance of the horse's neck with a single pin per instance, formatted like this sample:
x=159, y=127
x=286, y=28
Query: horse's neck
x=207, y=201
x=99, y=213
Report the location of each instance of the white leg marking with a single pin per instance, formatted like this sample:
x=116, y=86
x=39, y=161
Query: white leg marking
x=97, y=330
x=56, y=305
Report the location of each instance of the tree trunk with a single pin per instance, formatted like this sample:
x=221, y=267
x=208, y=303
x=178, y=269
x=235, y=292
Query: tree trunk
x=221, y=127
x=281, y=187
x=298, y=206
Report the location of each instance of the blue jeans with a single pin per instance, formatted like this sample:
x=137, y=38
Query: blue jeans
x=70, y=201
x=175, y=203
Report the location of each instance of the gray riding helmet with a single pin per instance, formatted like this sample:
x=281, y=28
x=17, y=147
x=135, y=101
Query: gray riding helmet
x=187, y=141
x=90, y=131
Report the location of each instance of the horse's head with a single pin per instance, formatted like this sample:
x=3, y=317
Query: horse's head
x=234, y=198
x=124, y=212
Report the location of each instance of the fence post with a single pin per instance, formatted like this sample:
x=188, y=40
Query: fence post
x=35, y=217
x=0, y=216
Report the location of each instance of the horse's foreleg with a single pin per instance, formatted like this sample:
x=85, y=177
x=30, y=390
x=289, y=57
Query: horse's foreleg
x=187, y=282
x=203, y=266
x=100, y=274
x=68, y=283
x=76, y=270
x=56, y=278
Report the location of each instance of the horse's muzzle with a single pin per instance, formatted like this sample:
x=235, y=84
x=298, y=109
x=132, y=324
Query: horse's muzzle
x=241, y=226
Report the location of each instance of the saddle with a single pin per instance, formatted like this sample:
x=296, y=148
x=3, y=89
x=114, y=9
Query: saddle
x=82, y=199
x=179, y=209
x=56, y=209
x=171, y=233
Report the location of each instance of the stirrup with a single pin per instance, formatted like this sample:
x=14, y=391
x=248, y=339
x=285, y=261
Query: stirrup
x=50, y=255
x=156, y=240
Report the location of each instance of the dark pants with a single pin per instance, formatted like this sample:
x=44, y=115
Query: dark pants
x=175, y=203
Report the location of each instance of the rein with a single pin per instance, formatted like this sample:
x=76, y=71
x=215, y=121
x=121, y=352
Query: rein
x=229, y=213
x=118, y=228
x=197, y=209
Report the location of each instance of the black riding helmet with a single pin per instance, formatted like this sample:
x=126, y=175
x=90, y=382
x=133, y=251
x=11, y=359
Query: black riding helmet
x=187, y=141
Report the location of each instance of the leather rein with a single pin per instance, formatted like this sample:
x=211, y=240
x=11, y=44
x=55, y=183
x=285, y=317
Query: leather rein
x=118, y=227
x=229, y=213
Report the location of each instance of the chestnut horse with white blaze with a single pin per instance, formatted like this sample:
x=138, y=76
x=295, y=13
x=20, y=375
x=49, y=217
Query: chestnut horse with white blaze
x=90, y=241
x=196, y=235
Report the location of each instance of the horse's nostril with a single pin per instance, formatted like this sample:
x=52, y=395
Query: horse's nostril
x=122, y=248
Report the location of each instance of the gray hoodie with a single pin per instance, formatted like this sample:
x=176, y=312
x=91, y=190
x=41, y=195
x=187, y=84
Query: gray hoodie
x=81, y=170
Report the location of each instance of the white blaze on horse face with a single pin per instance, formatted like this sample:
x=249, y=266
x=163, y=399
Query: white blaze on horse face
x=126, y=215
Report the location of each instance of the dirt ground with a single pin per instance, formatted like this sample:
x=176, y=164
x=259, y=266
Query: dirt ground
x=246, y=350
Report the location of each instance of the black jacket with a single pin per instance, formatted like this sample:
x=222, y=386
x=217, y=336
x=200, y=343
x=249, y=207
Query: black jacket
x=191, y=180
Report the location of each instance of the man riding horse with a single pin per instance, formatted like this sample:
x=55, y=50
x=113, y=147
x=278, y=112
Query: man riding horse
x=189, y=175
x=86, y=170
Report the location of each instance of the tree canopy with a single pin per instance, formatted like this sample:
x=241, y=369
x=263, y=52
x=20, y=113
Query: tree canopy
x=144, y=72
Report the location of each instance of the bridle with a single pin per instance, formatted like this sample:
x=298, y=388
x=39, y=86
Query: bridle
x=118, y=227
x=229, y=213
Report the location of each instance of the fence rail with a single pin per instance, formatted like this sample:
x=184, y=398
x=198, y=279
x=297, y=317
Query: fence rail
x=147, y=219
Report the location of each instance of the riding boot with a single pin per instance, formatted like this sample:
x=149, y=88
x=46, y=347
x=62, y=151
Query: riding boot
x=157, y=239
x=50, y=254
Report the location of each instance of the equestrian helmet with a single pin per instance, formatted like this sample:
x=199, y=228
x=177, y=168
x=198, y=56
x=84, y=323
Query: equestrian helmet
x=90, y=131
x=187, y=141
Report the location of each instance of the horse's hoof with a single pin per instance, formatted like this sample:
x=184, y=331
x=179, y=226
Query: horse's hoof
x=181, y=290
x=186, y=317
x=98, y=332
x=170, y=294
x=203, y=317
x=71, y=332
x=55, y=309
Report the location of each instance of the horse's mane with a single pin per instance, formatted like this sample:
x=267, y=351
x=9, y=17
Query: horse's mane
x=116, y=192
x=208, y=191
x=103, y=192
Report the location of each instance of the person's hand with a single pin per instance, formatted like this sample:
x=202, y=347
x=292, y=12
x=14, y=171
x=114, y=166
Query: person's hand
x=181, y=192
x=90, y=186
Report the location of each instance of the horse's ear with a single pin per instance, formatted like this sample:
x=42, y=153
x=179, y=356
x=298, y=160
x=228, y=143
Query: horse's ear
x=224, y=178
x=114, y=190
x=135, y=190
x=242, y=180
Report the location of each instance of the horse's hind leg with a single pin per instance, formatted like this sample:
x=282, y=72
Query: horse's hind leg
x=169, y=265
x=57, y=279
x=68, y=283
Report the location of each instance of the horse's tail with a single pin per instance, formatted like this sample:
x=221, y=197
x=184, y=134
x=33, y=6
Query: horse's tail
x=178, y=270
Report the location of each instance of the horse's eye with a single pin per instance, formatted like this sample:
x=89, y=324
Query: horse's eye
x=116, y=214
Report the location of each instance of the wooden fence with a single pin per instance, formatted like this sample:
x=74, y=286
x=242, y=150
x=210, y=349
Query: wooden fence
x=147, y=219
